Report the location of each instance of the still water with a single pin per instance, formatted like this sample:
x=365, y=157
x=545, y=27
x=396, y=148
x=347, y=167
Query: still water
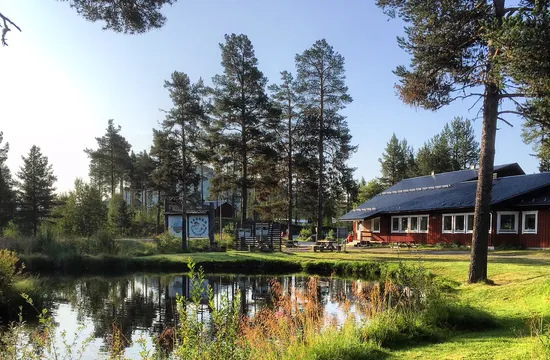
x=144, y=305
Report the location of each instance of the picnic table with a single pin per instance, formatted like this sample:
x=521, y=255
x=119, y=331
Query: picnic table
x=324, y=245
x=405, y=244
x=292, y=243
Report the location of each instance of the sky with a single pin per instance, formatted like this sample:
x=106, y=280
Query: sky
x=62, y=77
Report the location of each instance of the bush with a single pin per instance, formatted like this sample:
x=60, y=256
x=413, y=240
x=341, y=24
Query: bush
x=8, y=269
x=11, y=231
x=229, y=241
x=199, y=244
x=45, y=241
x=305, y=234
x=101, y=243
x=168, y=243
x=510, y=247
x=144, y=225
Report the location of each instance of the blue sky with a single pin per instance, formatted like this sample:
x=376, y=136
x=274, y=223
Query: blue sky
x=62, y=78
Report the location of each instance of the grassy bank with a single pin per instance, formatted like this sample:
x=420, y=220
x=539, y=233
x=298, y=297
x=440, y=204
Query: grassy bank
x=520, y=289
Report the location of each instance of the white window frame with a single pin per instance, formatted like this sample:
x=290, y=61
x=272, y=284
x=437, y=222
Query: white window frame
x=466, y=223
x=528, y=231
x=472, y=214
x=499, y=214
x=443, y=223
x=398, y=224
x=372, y=225
x=427, y=224
x=409, y=231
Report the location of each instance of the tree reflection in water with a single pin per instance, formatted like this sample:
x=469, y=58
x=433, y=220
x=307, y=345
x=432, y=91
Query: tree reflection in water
x=147, y=303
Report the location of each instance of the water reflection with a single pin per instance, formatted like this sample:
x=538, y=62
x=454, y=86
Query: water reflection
x=145, y=305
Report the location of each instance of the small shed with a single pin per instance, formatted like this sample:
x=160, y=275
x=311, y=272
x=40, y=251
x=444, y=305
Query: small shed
x=223, y=207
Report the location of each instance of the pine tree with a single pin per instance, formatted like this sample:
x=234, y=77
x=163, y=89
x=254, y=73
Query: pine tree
x=142, y=170
x=185, y=123
x=321, y=82
x=7, y=194
x=464, y=147
x=164, y=154
x=287, y=99
x=36, y=189
x=369, y=190
x=242, y=109
x=537, y=134
x=458, y=47
x=110, y=163
x=120, y=218
x=83, y=212
x=128, y=16
x=394, y=162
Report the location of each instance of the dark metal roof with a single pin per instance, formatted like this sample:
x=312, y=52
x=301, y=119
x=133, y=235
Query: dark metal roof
x=453, y=177
x=447, y=197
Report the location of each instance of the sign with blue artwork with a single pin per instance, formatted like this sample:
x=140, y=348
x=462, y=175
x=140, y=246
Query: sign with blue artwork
x=198, y=226
x=174, y=224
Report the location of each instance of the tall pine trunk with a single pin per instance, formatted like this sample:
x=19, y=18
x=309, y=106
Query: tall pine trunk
x=320, y=149
x=290, y=190
x=183, y=191
x=480, y=236
x=244, y=153
x=158, y=211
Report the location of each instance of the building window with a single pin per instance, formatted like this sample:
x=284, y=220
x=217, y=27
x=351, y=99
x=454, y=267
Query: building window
x=507, y=222
x=423, y=224
x=375, y=225
x=447, y=223
x=529, y=222
x=460, y=223
x=414, y=224
x=394, y=224
x=409, y=224
x=404, y=226
x=470, y=223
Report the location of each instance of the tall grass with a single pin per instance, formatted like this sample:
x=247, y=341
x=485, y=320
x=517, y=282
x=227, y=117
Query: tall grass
x=404, y=308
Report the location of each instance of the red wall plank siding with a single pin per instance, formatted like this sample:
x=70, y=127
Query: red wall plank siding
x=435, y=232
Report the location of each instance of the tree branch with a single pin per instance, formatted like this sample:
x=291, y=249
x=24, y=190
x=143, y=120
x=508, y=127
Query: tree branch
x=511, y=112
x=505, y=121
x=6, y=28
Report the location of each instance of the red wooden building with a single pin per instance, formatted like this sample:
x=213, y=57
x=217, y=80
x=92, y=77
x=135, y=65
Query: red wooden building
x=440, y=208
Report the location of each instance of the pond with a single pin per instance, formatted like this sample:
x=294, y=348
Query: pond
x=144, y=305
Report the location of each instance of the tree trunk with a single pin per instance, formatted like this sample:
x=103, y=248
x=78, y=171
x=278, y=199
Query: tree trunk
x=158, y=211
x=34, y=221
x=183, y=191
x=290, y=199
x=480, y=236
x=320, y=149
x=244, y=179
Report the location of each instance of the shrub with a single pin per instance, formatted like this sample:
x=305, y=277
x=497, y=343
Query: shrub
x=144, y=225
x=8, y=268
x=45, y=241
x=305, y=234
x=229, y=241
x=101, y=243
x=510, y=247
x=11, y=231
x=168, y=243
x=199, y=244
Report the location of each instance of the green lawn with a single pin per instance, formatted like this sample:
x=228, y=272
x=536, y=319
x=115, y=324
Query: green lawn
x=521, y=290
